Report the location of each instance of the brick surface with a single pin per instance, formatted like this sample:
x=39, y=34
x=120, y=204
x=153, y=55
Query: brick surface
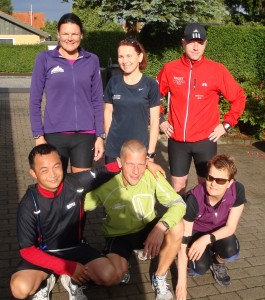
x=248, y=273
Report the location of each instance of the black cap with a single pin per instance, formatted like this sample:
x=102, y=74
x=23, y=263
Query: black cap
x=194, y=31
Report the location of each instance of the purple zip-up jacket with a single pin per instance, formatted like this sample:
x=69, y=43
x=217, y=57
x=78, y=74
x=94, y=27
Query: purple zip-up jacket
x=74, y=93
x=208, y=217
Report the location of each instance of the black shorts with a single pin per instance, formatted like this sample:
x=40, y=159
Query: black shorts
x=124, y=245
x=180, y=155
x=227, y=248
x=82, y=254
x=79, y=147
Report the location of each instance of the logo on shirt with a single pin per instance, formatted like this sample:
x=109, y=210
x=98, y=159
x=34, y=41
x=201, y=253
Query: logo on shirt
x=70, y=205
x=140, y=89
x=116, y=97
x=57, y=69
x=93, y=174
x=143, y=205
x=178, y=80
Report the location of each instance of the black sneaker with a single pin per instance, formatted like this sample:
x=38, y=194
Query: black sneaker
x=191, y=273
x=220, y=274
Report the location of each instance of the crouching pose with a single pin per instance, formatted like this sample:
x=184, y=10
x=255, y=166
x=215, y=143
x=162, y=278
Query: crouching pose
x=131, y=222
x=213, y=212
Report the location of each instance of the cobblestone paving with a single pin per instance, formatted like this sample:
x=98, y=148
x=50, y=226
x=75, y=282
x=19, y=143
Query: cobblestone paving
x=247, y=273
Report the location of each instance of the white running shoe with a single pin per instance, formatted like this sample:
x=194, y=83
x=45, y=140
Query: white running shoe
x=161, y=287
x=140, y=254
x=44, y=292
x=75, y=291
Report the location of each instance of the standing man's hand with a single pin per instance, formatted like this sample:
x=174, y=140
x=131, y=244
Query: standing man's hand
x=167, y=128
x=99, y=148
x=40, y=140
x=217, y=133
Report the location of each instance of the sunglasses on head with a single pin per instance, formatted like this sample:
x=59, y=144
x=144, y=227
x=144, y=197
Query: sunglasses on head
x=131, y=40
x=220, y=181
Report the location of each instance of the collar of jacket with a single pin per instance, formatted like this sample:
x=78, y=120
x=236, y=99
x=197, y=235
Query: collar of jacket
x=82, y=52
x=187, y=61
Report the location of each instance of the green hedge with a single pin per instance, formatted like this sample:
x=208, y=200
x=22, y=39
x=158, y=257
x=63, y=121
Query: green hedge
x=240, y=48
x=19, y=59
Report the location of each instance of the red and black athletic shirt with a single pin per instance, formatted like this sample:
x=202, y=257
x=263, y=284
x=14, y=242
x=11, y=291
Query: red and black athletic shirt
x=60, y=216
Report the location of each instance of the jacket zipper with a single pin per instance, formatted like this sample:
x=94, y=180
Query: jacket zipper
x=188, y=103
x=75, y=101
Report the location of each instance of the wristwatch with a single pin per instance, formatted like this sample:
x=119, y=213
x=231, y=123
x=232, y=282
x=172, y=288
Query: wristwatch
x=212, y=238
x=151, y=155
x=227, y=127
x=165, y=224
x=36, y=136
x=102, y=135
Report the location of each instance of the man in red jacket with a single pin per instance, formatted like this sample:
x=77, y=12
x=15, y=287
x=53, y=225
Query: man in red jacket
x=194, y=84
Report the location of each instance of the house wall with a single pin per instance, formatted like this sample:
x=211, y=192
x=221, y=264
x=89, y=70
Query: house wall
x=22, y=39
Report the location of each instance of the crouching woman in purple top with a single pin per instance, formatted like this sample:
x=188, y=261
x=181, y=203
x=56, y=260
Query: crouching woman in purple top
x=213, y=212
x=73, y=116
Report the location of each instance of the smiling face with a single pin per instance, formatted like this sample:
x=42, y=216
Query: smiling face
x=129, y=59
x=194, y=49
x=70, y=37
x=214, y=189
x=133, y=165
x=48, y=171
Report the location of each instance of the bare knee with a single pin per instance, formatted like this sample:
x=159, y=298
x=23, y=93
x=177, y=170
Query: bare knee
x=19, y=287
x=108, y=277
x=176, y=233
x=25, y=282
x=179, y=183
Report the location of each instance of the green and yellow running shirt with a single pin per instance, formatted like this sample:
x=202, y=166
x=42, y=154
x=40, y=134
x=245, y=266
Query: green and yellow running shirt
x=130, y=208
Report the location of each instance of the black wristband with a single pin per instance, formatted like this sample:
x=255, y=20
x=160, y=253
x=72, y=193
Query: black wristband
x=151, y=155
x=212, y=238
x=161, y=119
x=186, y=239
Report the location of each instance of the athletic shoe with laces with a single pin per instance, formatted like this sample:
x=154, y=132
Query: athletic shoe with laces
x=161, y=287
x=140, y=254
x=44, y=291
x=75, y=291
x=220, y=274
x=191, y=273
x=126, y=278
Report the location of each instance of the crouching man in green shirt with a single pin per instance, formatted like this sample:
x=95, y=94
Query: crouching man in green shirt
x=131, y=222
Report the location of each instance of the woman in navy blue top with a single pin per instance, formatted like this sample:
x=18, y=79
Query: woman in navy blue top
x=131, y=100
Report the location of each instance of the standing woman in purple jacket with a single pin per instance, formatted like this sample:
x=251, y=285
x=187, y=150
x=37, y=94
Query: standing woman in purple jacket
x=73, y=116
x=213, y=212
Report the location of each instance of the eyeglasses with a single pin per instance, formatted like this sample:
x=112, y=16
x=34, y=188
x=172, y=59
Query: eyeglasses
x=220, y=181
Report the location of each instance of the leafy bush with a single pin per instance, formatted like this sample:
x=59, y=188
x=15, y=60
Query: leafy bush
x=19, y=59
x=240, y=48
x=254, y=114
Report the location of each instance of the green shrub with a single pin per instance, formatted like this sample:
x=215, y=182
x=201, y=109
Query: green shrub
x=254, y=115
x=240, y=48
x=19, y=59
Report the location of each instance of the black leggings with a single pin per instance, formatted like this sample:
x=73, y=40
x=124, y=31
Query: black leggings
x=227, y=249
